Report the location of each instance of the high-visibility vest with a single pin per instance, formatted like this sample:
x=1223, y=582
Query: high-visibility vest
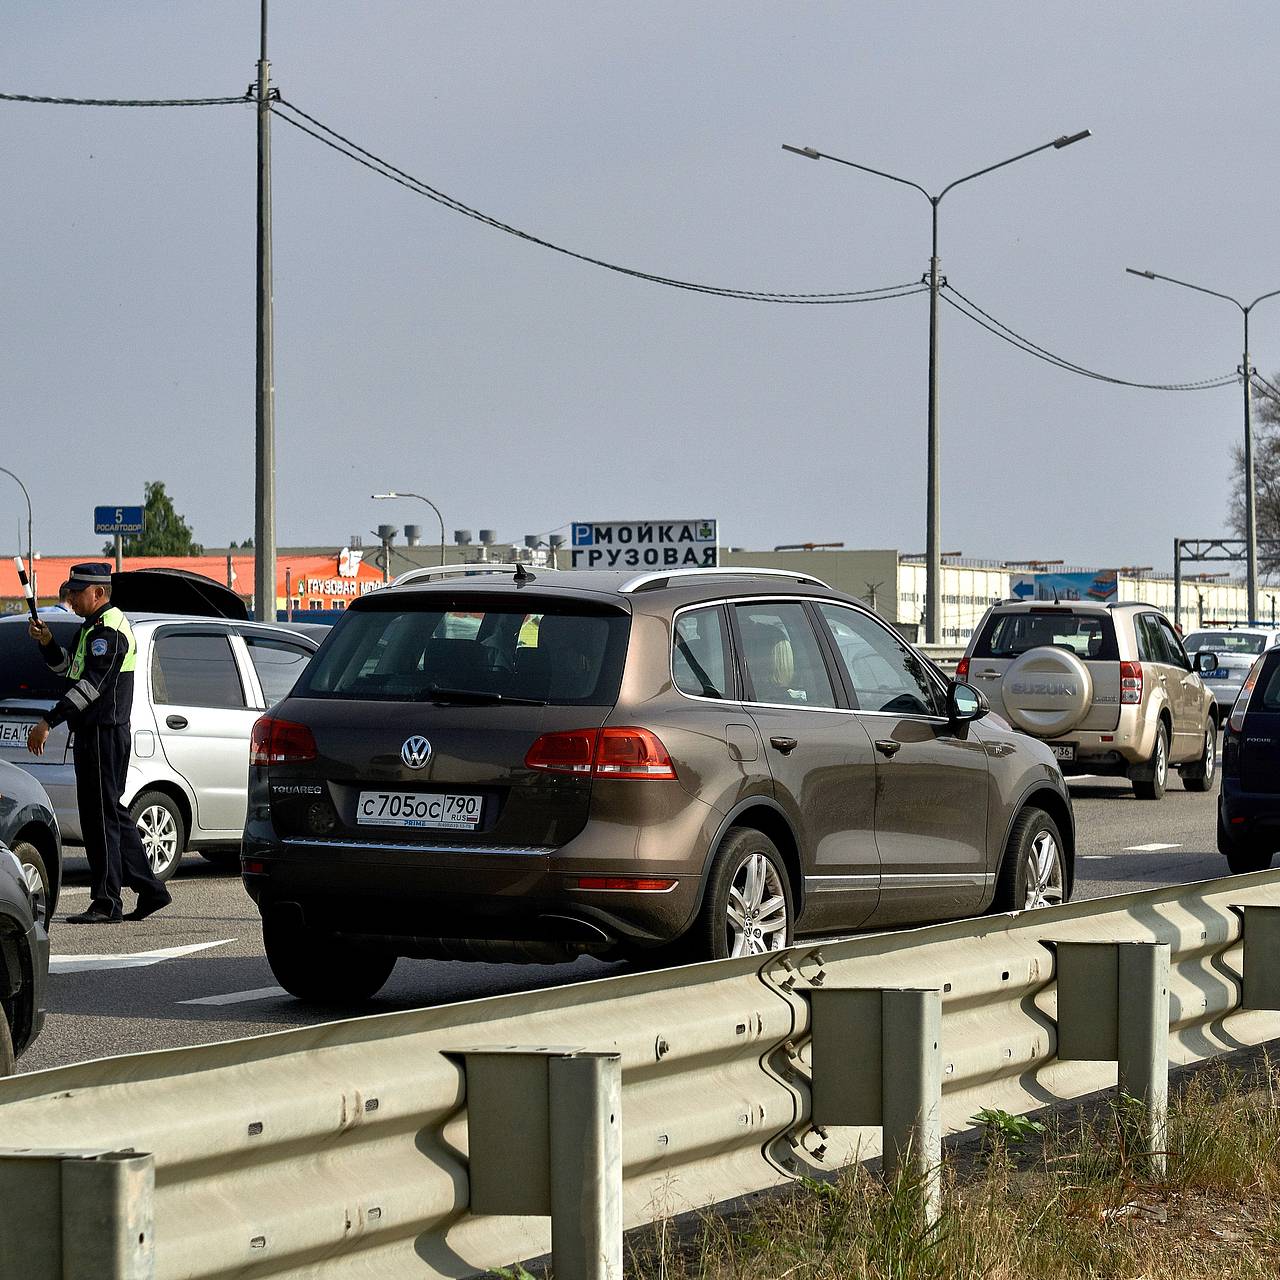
x=115, y=621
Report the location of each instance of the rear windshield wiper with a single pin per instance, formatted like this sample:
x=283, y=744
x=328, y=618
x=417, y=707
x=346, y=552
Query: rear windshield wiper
x=436, y=692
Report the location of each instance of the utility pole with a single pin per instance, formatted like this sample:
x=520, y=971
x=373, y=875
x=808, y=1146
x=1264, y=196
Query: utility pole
x=264, y=517
x=1250, y=502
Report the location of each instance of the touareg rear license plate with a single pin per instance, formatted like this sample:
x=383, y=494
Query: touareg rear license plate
x=15, y=732
x=414, y=809
x=1064, y=750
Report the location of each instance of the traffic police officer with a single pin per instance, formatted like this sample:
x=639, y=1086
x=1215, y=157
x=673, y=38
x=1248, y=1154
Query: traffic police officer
x=97, y=708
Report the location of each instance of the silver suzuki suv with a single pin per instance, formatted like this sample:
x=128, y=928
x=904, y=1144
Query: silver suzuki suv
x=1108, y=687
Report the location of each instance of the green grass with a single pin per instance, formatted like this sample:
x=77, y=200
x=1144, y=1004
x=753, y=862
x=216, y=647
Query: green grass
x=1070, y=1203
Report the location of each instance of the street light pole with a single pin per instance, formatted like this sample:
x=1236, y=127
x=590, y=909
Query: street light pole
x=31, y=564
x=429, y=503
x=933, y=539
x=1246, y=372
x=264, y=516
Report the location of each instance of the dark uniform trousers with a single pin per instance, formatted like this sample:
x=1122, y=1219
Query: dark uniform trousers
x=101, y=759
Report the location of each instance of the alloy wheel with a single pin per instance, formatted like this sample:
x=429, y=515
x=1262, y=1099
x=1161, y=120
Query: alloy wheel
x=1044, y=872
x=1210, y=753
x=159, y=836
x=1162, y=761
x=35, y=886
x=757, y=909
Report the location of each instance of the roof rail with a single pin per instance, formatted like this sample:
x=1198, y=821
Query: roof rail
x=652, y=581
x=467, y=570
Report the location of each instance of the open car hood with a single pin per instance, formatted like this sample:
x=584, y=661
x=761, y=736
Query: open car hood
x=175, y=591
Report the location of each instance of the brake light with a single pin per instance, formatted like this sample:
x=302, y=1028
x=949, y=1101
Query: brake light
x=280, y=742
x=626, y=884
x=1131, y=683
x=1242, y=700
x=962, y=669
x=614, y=752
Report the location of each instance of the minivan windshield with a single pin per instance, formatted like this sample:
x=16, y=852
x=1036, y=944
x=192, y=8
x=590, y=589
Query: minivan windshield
x=1087, y=635
x=23, y=673
x=473, y=651
x=1225, y=641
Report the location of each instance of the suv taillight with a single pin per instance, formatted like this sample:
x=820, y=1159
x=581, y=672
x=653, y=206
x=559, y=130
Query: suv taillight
x=280, y=742
x=1242, y=700
x=962, y=669
x=613, y=752
x=1130, y=683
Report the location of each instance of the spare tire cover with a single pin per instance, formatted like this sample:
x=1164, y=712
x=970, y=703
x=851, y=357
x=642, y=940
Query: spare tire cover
x=1047, y=691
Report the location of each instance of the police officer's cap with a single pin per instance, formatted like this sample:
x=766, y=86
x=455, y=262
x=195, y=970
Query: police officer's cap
x=93, y=573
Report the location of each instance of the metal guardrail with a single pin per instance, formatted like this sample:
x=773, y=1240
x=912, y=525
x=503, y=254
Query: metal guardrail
x=343, y=1148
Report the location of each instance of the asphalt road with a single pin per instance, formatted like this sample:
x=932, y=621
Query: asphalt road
x=196, y=972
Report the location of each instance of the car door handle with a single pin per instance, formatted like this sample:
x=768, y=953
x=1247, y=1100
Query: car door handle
x=176, y=722
x=785, y=745
x=888, y=747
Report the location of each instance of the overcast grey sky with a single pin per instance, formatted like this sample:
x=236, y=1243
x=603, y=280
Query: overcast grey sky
x=520, y=389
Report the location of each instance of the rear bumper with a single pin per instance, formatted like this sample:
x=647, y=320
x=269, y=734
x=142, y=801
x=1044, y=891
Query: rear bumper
x=1131, y=742
x=1250, y=815
x=401, y=893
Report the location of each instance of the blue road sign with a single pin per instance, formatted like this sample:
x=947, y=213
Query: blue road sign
x=117, y=519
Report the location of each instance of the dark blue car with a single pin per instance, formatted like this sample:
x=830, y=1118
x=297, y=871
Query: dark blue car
x=1249, y=802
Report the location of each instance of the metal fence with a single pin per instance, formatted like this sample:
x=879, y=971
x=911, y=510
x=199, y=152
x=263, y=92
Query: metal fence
x=347, y=1150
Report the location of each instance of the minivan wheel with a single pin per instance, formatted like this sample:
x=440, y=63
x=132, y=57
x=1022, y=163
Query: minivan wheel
x=747, y=909
x=36, y=874
x=1152, y=788
x=1200, y=776
x=1033, y=872
x=323, y=968
x=163, y=832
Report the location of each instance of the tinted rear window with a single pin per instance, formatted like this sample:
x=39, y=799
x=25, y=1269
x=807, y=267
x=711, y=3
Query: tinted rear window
x=404, y=650
x=23, y=673
x=1225, y=642
x=1087, y=635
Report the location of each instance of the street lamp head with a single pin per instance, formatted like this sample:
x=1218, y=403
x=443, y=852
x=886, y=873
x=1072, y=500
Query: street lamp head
x=1146, y=275
x=1066, y=141
x=809, y=152
x=384, y=495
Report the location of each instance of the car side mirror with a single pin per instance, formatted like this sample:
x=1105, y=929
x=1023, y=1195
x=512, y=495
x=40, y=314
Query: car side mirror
x=1206, y=662
x=965, y=703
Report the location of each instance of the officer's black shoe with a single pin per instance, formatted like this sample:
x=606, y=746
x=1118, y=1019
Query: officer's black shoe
x=149, y=905
x=93, y=916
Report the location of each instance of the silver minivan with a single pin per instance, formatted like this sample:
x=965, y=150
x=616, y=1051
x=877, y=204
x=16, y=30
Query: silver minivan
x=200, y=684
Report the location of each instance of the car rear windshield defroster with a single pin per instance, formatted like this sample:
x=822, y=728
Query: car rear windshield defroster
x=464, y=647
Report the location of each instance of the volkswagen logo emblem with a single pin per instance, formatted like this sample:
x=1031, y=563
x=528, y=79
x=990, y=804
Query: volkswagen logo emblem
x=416, y=751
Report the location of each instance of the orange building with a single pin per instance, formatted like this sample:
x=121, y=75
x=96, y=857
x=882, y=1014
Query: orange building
x=311, y=582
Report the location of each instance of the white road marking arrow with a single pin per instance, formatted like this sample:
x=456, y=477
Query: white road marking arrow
x=239, y=997
x=135, y=960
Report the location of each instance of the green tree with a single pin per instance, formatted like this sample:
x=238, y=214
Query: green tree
x=164, y=531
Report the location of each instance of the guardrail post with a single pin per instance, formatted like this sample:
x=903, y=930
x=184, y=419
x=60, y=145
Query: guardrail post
x=877, y=1060
x=1260, y=929
x=544, y=1130
x=77, y=1215
x=1113, y=1006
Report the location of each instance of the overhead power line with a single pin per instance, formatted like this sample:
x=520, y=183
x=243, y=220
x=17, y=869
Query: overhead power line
x=123, y=102
x=321, y=132
x=985, y=320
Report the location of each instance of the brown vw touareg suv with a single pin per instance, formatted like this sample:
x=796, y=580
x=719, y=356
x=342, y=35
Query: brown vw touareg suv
x=671, y=765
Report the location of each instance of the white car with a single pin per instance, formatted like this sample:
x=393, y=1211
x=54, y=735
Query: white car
x=1237, y=648
x=200, y=684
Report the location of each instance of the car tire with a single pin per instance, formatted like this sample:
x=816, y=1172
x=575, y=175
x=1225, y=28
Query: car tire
x=1242, y=856
x=1033, y=871
x=163, y=831
x=8, y=1062
x=222, y=857
x=1153, y=788
x=747, y=908
x=36, y=875
x=322, y=968
x=1201, y=776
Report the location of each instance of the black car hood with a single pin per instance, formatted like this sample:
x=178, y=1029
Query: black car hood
x=175, y=591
